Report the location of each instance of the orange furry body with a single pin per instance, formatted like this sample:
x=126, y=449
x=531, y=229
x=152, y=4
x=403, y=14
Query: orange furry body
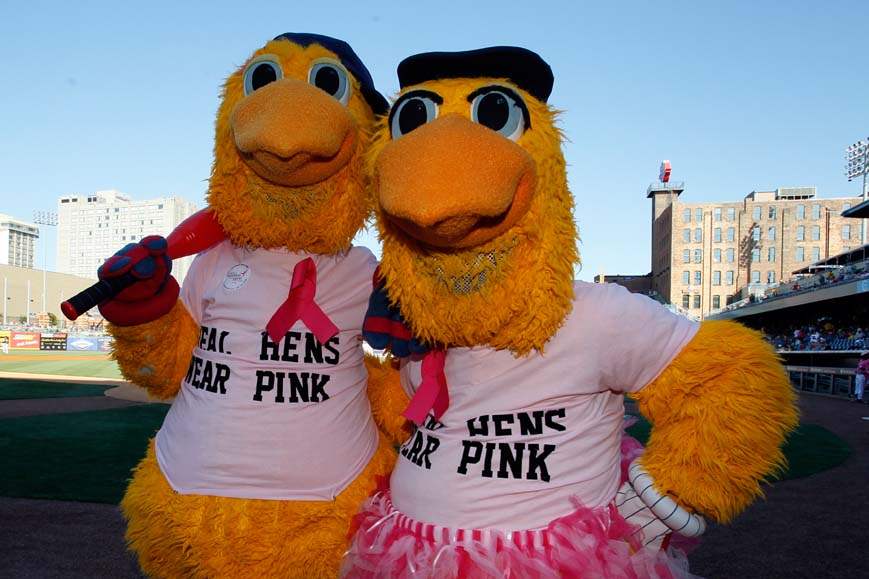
x=720, y=413
x=155, y=355
x=388, y=399
x=177, y=535
x=196, y=536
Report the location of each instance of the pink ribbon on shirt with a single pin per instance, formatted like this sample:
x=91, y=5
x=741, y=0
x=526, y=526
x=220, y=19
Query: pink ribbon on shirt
x=432, y=393
x=300, y=304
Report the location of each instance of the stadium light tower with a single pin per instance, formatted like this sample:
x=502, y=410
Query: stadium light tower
x=48, y=218
x=857, y=165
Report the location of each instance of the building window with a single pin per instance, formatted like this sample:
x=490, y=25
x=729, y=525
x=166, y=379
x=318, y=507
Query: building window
x=716, y=214
x=755, y=276
x=698, y=278
x=755, y=214
x=816, y=253
x=801, y=211
x=770, y=255
x=716, y=277
x=686, y=256
x=698, y=256
x=770, y=233
x=716, y=255
x=686, y=278
x=686, y=235
x=755, y=255
x=731, y=213
x=686, y=301
x=816, y=211
x=800, y=254
x=731, y=234
x=801, y=233
x=696, y=302
x=698, y=234
x=816, y=232
x=686, y=215
x=770, y=277
x=755, y=233
x=698, y=215
x=730, y=254
x=772, y=211
x=846, y=232
x=728, y=277
x=716, y=235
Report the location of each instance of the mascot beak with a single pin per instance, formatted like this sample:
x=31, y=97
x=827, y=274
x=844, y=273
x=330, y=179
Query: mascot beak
x=453, y=183
x=293, y=134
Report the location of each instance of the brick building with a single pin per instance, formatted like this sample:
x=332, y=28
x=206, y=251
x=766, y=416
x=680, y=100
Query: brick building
x=705, y=255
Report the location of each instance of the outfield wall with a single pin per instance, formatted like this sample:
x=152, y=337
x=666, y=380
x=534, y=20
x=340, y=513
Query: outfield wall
x=54, y=341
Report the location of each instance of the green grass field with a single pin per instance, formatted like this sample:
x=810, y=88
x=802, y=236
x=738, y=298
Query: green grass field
x=17, y=389
x=87, y=456
x=87, y=364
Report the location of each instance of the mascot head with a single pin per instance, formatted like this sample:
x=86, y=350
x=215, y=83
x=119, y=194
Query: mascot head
x=471, y=198
x=291, y=129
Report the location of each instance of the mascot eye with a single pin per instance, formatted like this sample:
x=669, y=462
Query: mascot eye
x=260, y=72
x=331, y=77
x=500, y=109
x=413, y=110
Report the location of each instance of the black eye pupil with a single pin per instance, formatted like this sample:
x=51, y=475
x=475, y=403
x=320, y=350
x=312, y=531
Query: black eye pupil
x=262, y=75
x=413, y=114
x=328, y=80
x=493, y=111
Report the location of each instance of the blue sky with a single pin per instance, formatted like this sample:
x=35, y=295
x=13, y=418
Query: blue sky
x=738, y=95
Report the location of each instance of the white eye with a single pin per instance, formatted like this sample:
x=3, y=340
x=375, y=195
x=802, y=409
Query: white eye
x=331, y=77
x=500, y=109
x=263, y=70
x=413, y=110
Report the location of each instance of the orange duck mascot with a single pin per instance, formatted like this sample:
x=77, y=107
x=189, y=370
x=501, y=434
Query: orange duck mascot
x=269, y=447
x=517, y=465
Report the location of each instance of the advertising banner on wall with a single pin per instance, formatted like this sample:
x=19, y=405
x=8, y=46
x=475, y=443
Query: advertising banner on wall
x=5, y=336
x=82, y=344
x=24, y=340
x=105, y=343
x=52, y=341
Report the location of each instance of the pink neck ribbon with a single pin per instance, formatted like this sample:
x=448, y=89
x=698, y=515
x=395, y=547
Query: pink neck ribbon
x=432, y=394
x=300, y=304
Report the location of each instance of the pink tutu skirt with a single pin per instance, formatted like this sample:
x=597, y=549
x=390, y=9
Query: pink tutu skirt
x=587, y=543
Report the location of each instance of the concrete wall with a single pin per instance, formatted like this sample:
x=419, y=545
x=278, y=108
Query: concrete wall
x=59, y=286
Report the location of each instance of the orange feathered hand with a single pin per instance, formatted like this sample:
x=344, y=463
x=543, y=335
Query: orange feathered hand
x=720, y=414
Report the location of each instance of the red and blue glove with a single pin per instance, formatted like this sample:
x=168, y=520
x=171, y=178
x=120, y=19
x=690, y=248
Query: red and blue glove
x=154, y=291
x=384, y=327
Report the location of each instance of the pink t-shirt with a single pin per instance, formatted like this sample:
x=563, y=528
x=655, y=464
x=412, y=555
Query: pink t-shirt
x=524, y=435
x=257, y=419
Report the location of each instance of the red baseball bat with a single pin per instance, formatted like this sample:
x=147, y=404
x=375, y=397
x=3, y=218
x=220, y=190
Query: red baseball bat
x=193, y=235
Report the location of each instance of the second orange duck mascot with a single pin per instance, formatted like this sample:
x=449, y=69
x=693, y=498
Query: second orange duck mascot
x=514, y=468
x=269, y=447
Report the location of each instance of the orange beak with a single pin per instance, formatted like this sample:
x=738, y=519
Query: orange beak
x=453, y=183
x=292, y=133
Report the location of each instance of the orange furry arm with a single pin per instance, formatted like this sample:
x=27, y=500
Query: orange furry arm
x=156, y=355
x=388, y=399
x=720, y=413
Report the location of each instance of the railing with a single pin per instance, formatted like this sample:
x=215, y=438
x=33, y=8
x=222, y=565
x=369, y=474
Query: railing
x=837, y=382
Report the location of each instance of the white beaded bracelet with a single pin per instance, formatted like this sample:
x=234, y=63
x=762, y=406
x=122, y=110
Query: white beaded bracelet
x=665, y=508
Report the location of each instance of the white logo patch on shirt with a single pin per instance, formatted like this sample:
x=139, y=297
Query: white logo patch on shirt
x=236, y=277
